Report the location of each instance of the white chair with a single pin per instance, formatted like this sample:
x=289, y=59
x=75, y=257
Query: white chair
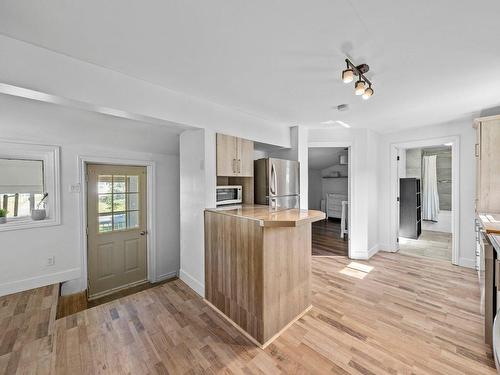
x=343, y=220
x=323, y=208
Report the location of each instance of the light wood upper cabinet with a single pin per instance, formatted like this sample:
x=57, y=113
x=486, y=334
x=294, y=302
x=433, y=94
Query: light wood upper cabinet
x=245, y=148
x=234, y=156
x=488, y=164
x=226, y=155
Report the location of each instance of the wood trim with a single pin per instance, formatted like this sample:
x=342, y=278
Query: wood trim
x=247, y=335
x=486, y=118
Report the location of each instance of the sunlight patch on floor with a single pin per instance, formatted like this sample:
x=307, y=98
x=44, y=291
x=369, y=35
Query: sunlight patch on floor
x=357, y=270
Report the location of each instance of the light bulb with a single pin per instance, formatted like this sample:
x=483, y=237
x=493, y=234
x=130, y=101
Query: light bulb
x=368, y=93
x=347, y=75
x=359, y=88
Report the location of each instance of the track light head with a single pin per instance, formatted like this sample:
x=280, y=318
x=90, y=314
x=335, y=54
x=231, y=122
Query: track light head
x=348, y=75
x=359, y=87
x=368, y=93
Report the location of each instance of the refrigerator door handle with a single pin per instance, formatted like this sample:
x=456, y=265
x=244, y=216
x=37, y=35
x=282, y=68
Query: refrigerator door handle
x=274, y=180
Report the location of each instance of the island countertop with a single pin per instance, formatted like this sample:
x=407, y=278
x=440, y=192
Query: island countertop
x=269, y=217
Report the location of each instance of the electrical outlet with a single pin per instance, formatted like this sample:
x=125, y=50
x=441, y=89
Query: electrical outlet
x=51, y=260
x=74, y=188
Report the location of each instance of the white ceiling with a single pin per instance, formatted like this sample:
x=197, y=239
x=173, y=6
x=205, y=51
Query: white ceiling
x=324, y=157
x=431, y=61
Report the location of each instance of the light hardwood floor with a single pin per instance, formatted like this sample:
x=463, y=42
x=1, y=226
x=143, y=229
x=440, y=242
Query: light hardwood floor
x=407, y=315
x=430, y=244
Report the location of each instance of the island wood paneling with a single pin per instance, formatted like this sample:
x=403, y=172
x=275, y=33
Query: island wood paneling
x=233, y=270
x=258, y=277
x=287, y=276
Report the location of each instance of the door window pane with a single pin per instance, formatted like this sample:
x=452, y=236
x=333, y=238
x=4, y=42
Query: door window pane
x=133, y=201
x=104, y=184
x=105, y=223
x=133, y=219
x=105, y=203
x=133, y=184
x=118, y=202
x=119, y=221
x=119, y=184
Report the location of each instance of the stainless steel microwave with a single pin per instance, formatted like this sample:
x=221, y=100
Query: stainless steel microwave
x=229, y=195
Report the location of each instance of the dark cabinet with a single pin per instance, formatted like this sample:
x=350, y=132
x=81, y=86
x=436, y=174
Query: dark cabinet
x=410, y=208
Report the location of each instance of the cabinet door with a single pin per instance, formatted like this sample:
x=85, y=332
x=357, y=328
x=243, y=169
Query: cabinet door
x=226, y=155
x=477, y=153
x=245, y=158
x=490, y=166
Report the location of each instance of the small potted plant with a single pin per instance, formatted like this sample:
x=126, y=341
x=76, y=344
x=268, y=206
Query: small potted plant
x=3, y=215
x=40, y=213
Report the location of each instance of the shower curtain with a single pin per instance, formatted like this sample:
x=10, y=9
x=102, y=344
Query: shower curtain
x=430, y=197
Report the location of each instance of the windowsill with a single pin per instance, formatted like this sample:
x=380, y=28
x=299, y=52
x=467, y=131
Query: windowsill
x=27, y=223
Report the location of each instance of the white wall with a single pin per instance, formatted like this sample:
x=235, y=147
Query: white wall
x=197, y=192
x=315, y=185
x=463, y=129
x=64, y=78
x=24, y=253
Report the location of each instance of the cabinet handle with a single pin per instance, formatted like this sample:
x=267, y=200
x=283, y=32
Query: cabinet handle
x=233, y=165
x=477, y=149
x=239, y=166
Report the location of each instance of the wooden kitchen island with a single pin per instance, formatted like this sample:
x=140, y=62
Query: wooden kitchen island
x=258, y=267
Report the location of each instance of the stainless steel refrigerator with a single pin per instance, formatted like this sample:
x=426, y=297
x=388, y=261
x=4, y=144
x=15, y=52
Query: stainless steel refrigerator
x=277, y=183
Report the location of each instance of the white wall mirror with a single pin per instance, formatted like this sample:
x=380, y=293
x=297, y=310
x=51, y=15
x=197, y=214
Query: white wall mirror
x=29, y=185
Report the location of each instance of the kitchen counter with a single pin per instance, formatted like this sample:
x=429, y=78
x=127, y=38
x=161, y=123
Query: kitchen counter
x=268, y=217
x=495, y=242
x=258, y=267
x=490, y=222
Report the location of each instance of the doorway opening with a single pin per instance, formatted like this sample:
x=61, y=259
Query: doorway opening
x=426, y=195
x=328, y=180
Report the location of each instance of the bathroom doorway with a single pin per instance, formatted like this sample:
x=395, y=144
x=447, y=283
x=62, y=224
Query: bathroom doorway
x=425, y=192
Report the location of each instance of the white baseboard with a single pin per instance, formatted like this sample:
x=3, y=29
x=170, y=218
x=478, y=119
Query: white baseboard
x=167, y=275
x=466, y=262
x=388, y=248
x=194, y=284
x=39, y=281
x=365, y=255
x=373, y=250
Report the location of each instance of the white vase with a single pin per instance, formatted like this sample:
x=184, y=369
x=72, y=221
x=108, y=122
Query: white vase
x=38, y=214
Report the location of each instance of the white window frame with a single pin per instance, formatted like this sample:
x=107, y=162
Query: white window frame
x=50, y=155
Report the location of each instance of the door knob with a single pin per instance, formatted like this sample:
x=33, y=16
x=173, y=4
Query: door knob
x=142, y=232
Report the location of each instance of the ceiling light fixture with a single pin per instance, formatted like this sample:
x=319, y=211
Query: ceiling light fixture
x=368, y=93
x=348, y=75
x=342, y=123
x=328, y=122
x=360, y=87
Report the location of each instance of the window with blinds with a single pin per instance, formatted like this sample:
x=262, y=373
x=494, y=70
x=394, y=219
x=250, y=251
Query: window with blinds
x=21, y=186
